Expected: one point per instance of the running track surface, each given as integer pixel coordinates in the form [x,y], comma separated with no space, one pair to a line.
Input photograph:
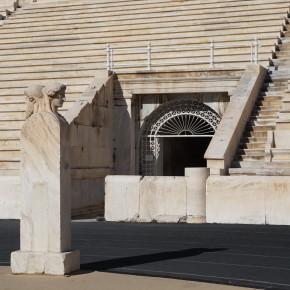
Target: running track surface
[245,255]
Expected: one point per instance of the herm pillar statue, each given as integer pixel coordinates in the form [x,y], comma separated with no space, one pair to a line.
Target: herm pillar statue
[45,226]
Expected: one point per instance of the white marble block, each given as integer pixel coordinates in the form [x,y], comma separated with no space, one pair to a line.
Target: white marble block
[196,193]
[163,199]
[122,198]
[235,199]
[45,231]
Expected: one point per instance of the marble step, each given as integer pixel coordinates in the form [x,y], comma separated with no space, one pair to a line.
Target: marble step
[11,142]
[275,88]
[253,139]
[259,171]
[9,172]
[45,7]
[153,36]
[269,97]
[9,133]
[148,22]
[272,93]
[16,92]
[261,109]
[250,152]
[256,134]
[49,27]
[10,163]
[131,30]
[257,123]
[77,43]
[268,102]
[255,157]
[265,114]
[147,12]
[78,60]
[252,145]
[12,124]
[248,164]
[8,153]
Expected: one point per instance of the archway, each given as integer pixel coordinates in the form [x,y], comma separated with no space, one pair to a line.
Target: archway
[175,136]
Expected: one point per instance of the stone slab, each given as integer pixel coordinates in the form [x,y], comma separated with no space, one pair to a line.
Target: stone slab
[163,199]
[235,200]
[122,197]
[277,200]
[44,262]
[248,200]
[196,194]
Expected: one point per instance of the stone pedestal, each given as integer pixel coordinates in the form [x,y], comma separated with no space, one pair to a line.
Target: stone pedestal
[196,194]
[45,228]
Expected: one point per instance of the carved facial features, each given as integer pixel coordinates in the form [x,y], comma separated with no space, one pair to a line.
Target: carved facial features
[58,99]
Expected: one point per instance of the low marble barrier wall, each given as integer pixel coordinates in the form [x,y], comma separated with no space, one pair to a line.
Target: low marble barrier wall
[248,200]
[157,198]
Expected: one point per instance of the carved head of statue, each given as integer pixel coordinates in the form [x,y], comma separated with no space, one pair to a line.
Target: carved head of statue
[55,96]
[34,99]
[46,98]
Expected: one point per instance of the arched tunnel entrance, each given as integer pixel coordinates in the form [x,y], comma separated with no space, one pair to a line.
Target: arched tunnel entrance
[175,136]
[179,153]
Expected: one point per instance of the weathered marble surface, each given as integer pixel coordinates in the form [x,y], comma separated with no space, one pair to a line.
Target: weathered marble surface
[45,195]
[248,200]
[91,133]
[122,198]
[45,262]
[124,136]
[157,198]
[196,194]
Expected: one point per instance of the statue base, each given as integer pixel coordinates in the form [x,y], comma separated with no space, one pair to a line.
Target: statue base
[45,262]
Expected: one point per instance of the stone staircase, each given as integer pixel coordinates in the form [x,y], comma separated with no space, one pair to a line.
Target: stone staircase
[66,40]
[250,158]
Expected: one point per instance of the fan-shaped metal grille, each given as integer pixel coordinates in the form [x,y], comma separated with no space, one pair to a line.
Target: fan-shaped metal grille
[186,125]
[175,118]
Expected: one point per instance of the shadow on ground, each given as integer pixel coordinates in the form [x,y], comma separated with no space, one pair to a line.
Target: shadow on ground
[149,258]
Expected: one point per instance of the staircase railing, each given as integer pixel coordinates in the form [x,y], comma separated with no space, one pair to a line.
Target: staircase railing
[148,57]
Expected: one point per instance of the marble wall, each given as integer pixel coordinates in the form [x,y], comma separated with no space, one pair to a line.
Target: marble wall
[91,134]
[157,198]
[248,200]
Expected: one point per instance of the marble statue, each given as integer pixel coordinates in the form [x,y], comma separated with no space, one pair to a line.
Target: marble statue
[34,100]
[46,98]
[45,186]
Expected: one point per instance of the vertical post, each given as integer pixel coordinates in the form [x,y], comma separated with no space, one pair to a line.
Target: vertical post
[256,44]
[111,59]
[211,54]
[252,55]
[149,49]
[45,228]
[108,57]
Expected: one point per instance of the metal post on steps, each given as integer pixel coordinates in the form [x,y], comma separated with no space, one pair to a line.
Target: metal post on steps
[211,65]
[256,45]
[108,57]
[252,55]
[111,58]
[149,50]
